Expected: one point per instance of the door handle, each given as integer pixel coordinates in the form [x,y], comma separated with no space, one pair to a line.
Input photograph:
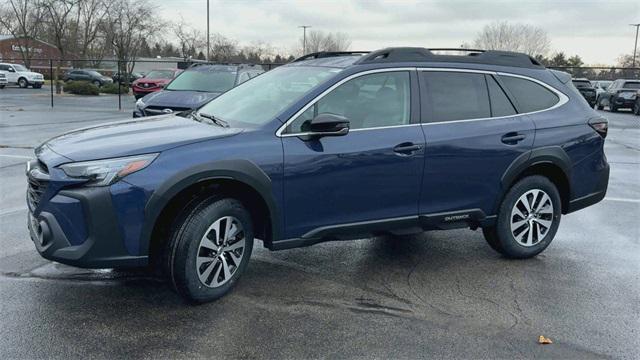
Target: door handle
[407,148]
[512,138]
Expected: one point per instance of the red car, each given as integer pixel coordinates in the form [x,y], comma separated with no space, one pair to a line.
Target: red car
[155,80]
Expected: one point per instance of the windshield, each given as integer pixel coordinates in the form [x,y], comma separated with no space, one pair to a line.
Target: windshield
[20,68]
[160,74]
[259,100]
[632,85]
[213,80]
[581,84]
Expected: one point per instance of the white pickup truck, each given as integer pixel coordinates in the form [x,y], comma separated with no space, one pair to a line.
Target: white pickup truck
[20,75]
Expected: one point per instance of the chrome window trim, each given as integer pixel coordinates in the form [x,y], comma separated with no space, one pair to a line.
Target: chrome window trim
[563,99]
[279,132]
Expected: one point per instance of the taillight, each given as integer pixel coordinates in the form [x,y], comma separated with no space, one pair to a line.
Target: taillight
[600,125]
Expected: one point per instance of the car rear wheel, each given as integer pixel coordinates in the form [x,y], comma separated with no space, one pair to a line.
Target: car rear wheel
[23,83]
[209,249]
[528,219]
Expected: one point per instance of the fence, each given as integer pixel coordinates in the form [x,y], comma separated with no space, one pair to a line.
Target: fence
[49,67]
[53,69]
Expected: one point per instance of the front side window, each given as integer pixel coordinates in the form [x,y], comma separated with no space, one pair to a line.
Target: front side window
[368,101]
[529,96]
[456,96]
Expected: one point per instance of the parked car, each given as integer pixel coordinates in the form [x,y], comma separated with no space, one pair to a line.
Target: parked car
[121,79]
[194,87]
[154,81]
[20,75]
[332,146]
[3,80]
[621,94]
[91,76]
[587,90]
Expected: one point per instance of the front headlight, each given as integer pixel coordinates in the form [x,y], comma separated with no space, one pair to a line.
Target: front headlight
[108,171]
[140,104]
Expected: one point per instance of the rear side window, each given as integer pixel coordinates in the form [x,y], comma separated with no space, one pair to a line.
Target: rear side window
[456,96]
[530,96]
[500,104]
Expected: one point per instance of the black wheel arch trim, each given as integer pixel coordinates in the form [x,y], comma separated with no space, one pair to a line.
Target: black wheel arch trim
[554,155]
[243,171]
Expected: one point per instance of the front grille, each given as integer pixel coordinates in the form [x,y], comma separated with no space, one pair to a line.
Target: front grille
[160,110]
[38,181]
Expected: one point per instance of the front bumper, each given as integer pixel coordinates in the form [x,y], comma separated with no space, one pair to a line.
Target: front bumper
[621,102]
[102,246]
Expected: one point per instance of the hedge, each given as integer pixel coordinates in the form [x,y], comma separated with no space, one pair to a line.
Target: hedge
[81,88]
[113,89]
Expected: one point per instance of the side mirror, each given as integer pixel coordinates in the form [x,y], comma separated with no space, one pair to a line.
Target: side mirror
[327,124]
[12,69]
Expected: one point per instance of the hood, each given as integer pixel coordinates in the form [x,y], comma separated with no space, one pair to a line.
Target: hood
[30,73]
[132,137]
[179,99]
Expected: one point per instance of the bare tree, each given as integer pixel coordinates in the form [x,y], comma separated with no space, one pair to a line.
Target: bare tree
[223,48]
[91,15]
[60,18]
[321,41]
[127,25]
[190,40]
[501,35]
[21,18]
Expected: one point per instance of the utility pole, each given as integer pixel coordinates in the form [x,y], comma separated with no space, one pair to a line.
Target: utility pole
[208,43]
[635,46]
[304,38]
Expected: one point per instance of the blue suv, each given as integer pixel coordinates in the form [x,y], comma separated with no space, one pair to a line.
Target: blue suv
[332,146]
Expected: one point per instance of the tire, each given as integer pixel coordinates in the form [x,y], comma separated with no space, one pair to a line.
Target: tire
[636,108]
[96,83]
[599,105]
[612,107]
[2,86]
[23,83]
[518,244]
[37,86]
[191,239]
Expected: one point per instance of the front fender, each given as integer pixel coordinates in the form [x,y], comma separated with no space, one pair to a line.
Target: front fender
[243,171]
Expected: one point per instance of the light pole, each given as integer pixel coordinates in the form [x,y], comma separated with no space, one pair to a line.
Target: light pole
[304,38]
[635,46]
[208,43]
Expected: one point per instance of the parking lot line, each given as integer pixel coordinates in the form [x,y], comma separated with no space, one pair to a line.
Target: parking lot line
[622,200]
[17,156]
[12,210]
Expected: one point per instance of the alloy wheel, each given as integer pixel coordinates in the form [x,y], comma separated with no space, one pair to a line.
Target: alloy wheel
[220,251]
[531,217]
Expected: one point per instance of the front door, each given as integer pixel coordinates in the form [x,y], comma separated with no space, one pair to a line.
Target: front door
[370,175]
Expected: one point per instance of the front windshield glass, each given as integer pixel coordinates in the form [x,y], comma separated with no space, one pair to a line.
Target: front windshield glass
[260,99]
[581,83]
[631,85]
[20,68]
[160,74]
[207,80]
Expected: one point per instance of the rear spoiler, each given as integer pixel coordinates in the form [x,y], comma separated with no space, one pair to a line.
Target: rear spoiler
[563,77]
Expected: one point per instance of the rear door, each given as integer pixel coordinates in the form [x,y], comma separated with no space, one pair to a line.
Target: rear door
[473,134]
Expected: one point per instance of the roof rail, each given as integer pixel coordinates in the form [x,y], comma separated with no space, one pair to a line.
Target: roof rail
[324,54]
[415,54]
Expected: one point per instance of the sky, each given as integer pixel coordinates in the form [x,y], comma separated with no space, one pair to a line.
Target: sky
[598,31]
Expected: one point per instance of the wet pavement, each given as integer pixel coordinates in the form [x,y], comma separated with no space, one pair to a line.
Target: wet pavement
[440,294]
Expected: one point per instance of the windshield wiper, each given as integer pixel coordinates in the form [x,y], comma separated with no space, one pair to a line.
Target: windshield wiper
[213,119]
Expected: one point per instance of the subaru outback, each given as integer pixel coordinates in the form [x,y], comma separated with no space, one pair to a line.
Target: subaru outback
[332,146]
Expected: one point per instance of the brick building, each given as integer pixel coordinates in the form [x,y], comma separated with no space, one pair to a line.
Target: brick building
[10,51]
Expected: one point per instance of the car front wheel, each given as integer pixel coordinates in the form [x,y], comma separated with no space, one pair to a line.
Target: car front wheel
[528,219]
[96,83]
[23,83]
[209,249]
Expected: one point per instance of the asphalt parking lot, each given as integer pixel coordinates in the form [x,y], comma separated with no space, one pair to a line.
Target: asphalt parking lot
[440,294]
